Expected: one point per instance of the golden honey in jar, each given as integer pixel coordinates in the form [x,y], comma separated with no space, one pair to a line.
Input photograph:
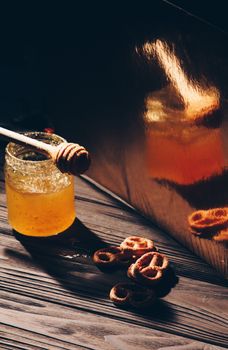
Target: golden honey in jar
[40,199]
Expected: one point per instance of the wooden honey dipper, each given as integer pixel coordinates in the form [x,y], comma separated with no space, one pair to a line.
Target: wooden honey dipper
[68,157]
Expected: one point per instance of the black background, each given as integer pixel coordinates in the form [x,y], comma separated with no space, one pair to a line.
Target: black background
[74,63]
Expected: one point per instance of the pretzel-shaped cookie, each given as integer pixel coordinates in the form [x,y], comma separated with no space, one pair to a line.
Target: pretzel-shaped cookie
[208,221]
[111,257]
[149,268]
[163,285]
[129,294]
[137,246]
[152,259]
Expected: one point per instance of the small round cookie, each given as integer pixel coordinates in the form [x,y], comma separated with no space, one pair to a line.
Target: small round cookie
[111,257]
[120,294]
[129,294]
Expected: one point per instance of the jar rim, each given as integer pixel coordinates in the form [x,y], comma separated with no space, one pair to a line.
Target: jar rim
[9,153]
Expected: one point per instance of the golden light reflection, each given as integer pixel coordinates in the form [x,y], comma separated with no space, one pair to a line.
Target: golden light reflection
[198,100]
[178,148]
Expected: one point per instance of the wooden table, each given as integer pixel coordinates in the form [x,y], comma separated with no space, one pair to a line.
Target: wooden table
[53,297]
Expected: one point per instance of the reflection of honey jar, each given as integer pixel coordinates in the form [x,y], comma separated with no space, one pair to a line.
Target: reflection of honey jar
[177,149]
[40,199]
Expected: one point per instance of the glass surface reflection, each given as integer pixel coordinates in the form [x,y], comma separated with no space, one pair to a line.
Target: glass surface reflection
[171,158]
[178,149]
[156,124]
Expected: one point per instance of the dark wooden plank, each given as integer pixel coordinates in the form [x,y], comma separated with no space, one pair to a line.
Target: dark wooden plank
[112,224]
[50,326]
[112,221]
[194,309]
[60,272]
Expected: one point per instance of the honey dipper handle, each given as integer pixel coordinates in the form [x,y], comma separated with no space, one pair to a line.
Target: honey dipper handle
[69,158]
[15,136]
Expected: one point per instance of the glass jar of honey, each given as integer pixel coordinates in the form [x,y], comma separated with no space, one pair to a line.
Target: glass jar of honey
[40,199]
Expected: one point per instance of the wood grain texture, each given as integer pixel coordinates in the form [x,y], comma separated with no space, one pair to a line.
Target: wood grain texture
[44,325]
[53,297]
[121,167]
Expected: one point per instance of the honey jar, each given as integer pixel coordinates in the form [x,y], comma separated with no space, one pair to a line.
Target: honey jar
[40,199]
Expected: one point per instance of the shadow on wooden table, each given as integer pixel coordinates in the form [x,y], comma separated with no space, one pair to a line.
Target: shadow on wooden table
[77,238]
[67,259]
